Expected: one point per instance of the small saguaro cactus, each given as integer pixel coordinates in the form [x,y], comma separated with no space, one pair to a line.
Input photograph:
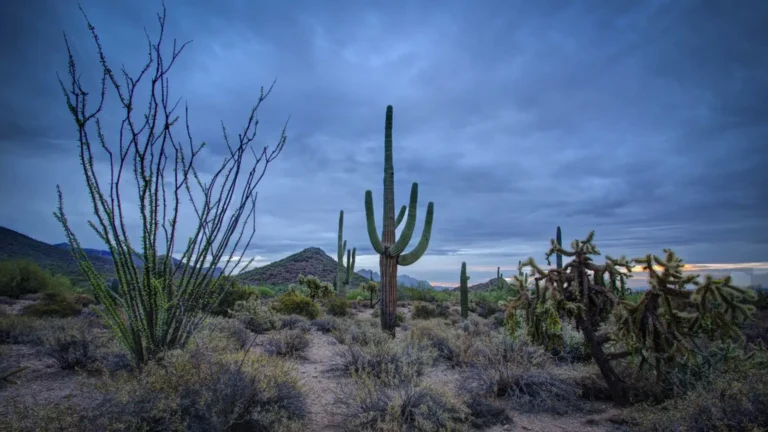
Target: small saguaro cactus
[464,291]
[343,275]
[391,250]
[559,256]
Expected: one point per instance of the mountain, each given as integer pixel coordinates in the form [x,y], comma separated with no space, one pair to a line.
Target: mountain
[401,279]
[14,245]
[485,286]
[310,261]
[137,260]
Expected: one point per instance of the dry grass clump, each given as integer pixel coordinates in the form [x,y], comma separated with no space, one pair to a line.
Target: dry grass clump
[326,325]
[16,329]
[71,342]
[404,408]
[389,362]
[294,322]
[286,343]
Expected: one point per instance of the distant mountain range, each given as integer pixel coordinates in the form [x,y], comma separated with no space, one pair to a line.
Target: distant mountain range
[311,261]
[401,279]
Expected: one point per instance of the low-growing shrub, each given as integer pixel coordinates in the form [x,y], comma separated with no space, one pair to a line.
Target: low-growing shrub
[294,322]
[338,307]
[265,292]
[389,362]
[16,329]
[190,391]
[256,316]
[423,310]
[52,304]
[485,413]
[356,294]
[224,334]
[290,343]
[326,325]
[69,341]
[404,408]
[362,335]
[292,302]
[400,318]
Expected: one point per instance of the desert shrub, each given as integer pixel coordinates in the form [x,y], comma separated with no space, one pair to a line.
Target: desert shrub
[256,316]
[362,335]
[338,307]
[294,322]
[448,343]
[727,401]
[376,313]
[289,343]
[292,302]
[574,349]
[761,297]
[19,277]
[405,408]
[400,318]
[190,391]
[7,301]
[235,292]
[485,413]
[486,303]
[265,292]
[18,329]
[423,310]
[356,293]
[69,341]
[389,362]
[52,304]
[224,333]
[326,325]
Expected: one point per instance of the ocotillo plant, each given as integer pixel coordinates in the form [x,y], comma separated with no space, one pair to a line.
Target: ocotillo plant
[343,277]
[464,290]
[559,256]
[391,250]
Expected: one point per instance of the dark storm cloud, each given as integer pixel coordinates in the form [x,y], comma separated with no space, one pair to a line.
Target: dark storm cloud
[645,122]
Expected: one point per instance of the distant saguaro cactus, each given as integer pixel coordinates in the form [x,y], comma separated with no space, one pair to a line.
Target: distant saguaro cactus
[499,279]
[343,276]
[559,256]
[389,248]
[464,291]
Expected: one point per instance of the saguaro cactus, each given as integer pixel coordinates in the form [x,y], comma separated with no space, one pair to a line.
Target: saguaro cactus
[559,257]
[343,276]
[391,249]
[464,291]
[499,278]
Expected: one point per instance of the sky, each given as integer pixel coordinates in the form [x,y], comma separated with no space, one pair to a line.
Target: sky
[645,121]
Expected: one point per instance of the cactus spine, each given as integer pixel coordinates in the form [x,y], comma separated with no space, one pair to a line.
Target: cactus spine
[559,257]
[464,291]
[343,276]
[391,249]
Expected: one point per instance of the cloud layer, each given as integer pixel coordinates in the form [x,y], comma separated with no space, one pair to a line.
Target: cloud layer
[645,122]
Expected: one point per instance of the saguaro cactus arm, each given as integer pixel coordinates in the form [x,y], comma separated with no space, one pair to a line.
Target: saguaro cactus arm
[400,216]
[370,218]
[411,257]
[410,223]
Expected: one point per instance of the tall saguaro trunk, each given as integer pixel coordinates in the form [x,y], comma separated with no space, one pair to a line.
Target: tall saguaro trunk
[389,248]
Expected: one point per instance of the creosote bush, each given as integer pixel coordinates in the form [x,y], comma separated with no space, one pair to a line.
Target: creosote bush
[294,322]
[338,307]
[18,329]
[292,302]
[53,304]
[326,325]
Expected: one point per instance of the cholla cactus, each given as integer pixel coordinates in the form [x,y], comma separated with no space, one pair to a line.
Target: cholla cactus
[660,328]
[317,288]
[391,250]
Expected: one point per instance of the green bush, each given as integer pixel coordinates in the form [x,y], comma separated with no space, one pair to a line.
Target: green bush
[292,302]
[256,316]
[427,311]
[52,304]
[356,294]
[338,307]
[18,278]
[265,292]
[235,293]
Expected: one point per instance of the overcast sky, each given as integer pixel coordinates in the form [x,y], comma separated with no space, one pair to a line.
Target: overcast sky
[647,123]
